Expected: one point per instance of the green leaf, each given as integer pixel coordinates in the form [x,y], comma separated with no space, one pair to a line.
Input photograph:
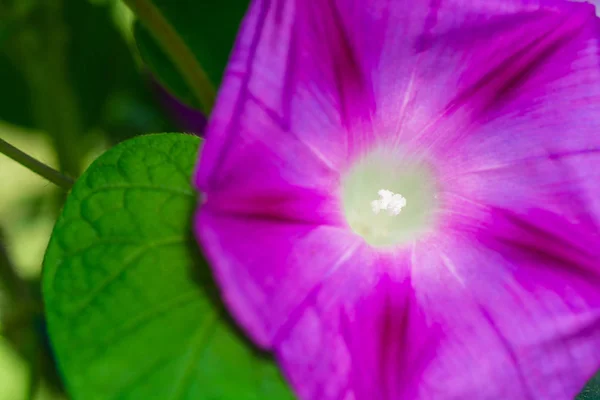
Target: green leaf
[591,390]
[132,310]
[195,38]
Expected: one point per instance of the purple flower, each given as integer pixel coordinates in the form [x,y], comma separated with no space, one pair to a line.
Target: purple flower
[402,198]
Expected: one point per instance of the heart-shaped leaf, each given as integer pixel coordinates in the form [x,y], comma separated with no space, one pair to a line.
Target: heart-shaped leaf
[132,310]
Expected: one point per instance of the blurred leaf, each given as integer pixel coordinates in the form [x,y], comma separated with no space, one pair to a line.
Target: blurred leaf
[104,73]
[207,28]
[16,108]
[24,327]
[100,61]
[162,67]
[132,310]
[591,390]
[130,113]
[101,72]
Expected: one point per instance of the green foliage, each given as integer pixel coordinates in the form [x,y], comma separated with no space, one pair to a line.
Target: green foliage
[85,44]
[132,310]
[15,108]
[207,28]
[104,74]
[100,64]
[162,67]
[591,390]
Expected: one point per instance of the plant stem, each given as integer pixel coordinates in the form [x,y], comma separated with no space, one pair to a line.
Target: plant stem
[175,47]
[36,166]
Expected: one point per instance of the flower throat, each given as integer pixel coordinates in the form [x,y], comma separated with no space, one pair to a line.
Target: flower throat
[407,198]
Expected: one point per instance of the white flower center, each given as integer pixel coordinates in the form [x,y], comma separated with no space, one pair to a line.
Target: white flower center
[407,198]
[390,201]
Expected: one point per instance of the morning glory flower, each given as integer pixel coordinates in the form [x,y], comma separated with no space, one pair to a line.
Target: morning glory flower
[401,199]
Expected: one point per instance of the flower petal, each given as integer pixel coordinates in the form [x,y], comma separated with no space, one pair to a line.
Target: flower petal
[311,85]
[290,90]
[371,346]
[540,147]
[510,309]
[269,268]
[476,83]
[517,297]
[438,69]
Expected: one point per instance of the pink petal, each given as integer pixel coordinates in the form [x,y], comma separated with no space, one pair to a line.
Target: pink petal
[448,68]
[268,268]
[290,91]
[540,146]
[504,97]
[507,310]
[372,346]
[517,299]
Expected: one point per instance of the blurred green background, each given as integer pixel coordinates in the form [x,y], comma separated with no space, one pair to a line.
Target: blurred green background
[72,85]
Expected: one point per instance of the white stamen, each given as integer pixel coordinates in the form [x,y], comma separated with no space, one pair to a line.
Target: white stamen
[390,201]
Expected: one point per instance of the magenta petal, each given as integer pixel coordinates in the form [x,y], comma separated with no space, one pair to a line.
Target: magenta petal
[502,301]
[508,312]
[519,305]
[265,288]
[289,93]
[539,146]
[371,346]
